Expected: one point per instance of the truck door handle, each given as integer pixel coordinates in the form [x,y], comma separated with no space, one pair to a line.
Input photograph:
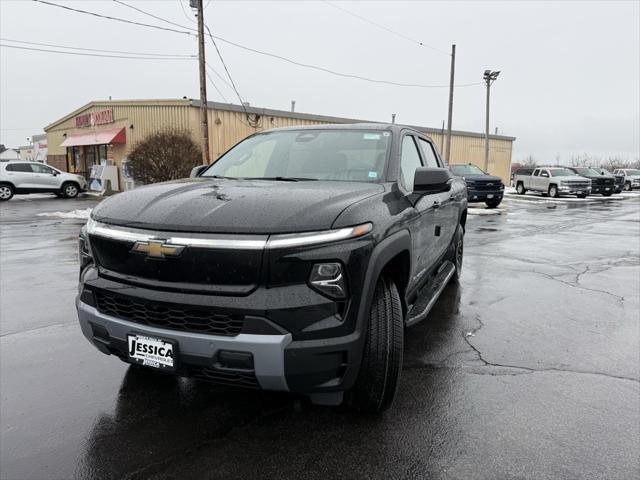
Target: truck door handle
[436,204]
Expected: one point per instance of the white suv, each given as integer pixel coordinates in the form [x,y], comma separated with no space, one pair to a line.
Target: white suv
[32,177]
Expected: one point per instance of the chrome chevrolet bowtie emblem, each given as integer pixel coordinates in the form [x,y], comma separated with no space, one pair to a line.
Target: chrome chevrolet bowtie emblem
[157,249]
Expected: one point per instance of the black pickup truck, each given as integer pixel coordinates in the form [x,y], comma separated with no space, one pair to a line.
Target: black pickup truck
[481,187]
[603,184]
[292,263]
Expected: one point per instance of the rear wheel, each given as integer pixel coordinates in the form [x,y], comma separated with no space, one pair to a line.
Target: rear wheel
[377,381]
[553,191]
[6,192]
[627,186]
[70,190]
[520,188]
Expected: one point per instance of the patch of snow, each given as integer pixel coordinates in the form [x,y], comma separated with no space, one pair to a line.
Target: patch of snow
[485,211]
[81,214]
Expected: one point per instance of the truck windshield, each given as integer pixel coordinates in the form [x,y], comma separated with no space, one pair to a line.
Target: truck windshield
[589,172]
[463,170]
[561,172]
[632,172]
[340,155]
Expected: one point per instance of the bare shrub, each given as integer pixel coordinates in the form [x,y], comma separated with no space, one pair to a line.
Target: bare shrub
[166,155]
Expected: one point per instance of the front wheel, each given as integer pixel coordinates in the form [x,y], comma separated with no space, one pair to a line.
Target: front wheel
[627,187]
[582,195]
[377,381]
[493,203]
[6,192]
[553,191]
[607,194]
[456,251]
[70,190]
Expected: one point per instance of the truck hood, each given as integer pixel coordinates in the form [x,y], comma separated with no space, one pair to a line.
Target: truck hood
[483,178]
[234,206]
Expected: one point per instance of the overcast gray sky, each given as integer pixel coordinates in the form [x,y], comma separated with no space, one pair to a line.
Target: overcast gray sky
[570,80]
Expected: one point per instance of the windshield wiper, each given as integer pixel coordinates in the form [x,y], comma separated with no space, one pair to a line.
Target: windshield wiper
[283,179]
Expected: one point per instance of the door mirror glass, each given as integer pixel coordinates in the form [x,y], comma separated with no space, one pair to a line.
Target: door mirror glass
[432,180]
[196,171]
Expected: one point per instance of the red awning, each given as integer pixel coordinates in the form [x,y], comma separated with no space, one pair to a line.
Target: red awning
[95,137]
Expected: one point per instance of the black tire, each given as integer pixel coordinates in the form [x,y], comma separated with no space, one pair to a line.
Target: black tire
[6,192]
[553,191]
[493,203]
[607,194]
[70,189]
[520,190]
[377,381]
[627,186]
[582,195]
[455,252]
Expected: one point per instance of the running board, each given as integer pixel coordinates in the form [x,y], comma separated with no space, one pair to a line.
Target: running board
[430,294]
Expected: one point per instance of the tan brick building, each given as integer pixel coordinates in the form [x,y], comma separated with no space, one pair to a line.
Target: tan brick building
[107,130]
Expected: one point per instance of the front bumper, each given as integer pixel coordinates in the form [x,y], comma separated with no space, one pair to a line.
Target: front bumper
[483,195]
[571,190]
[324,365]
[109,335]
[603,189]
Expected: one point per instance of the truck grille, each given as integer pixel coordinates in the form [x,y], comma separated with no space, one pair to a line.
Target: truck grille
[167,315]
[578,184]
[484,186]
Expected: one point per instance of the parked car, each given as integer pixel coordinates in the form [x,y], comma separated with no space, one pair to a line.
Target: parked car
[554,181]
[631,178]
[292,263]
[602,184]
[19,177]
[520,171]
[481,187]
[619,178]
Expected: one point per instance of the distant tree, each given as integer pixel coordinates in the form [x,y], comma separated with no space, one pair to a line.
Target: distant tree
[529,161]
[166,155]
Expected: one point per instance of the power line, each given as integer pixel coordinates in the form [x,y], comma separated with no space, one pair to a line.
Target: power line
[394,32]
[93,54]
[160,55]
[152,15]
[273,55]
[233,85]
[112,18]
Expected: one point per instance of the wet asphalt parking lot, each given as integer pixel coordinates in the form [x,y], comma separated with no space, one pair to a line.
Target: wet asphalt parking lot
[529,368]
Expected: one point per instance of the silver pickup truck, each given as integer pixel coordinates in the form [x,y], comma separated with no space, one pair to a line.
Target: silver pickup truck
[553,181]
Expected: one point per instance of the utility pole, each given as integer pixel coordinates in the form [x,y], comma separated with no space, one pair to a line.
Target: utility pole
[489,77]
[451,79]
[206,159]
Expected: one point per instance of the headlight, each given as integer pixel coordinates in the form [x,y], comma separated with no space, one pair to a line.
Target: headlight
[328,279]
[84,249]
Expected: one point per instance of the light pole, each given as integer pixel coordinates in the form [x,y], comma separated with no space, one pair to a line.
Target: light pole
[489,78]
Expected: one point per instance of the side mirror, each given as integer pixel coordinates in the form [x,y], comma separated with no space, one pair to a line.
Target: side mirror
[55,174]
[196,171]
[432,180]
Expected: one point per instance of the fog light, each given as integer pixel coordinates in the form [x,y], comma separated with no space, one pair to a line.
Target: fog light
[328,279]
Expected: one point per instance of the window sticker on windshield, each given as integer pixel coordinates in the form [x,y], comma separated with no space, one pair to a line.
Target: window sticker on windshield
[373,174]
[371,136]
[386,134]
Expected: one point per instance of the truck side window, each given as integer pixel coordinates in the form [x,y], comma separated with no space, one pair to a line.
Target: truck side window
[536,173]
[409,161]
[430,159]
[544,173]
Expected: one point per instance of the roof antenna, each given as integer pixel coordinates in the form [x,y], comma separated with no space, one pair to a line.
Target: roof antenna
[393,118]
